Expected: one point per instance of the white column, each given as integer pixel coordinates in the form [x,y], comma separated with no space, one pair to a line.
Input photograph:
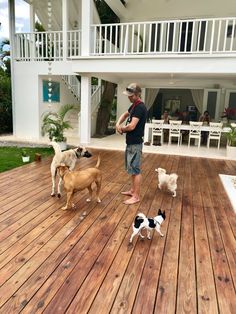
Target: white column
[32,18]
[86,10]
[85,111]
[32,30]
[11,15]
[64,28]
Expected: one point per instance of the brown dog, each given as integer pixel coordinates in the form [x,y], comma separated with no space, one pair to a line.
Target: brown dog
[80,180]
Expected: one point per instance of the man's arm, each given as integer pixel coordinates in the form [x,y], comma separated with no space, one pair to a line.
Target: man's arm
[121,119]
[131,126]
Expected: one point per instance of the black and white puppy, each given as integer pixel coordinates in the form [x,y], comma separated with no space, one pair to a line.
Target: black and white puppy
[143,222]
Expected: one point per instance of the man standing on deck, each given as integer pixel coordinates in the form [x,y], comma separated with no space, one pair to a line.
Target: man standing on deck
[136,117]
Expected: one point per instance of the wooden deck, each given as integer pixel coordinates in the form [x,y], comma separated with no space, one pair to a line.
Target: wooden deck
[79,261]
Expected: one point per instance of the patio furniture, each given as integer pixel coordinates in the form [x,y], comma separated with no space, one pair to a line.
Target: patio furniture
[214,133]
[157,130]
[175,131]
[195,132]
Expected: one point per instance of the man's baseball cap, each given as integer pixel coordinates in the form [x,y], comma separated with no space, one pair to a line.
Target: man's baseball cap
[132,89]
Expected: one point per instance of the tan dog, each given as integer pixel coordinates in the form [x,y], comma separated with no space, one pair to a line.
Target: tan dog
[68,158]
[80,180]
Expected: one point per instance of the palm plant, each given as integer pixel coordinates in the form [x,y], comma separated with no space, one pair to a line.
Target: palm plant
[54,123]
[231,136]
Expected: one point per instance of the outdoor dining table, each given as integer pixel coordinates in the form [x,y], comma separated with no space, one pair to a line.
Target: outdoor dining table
[149,126]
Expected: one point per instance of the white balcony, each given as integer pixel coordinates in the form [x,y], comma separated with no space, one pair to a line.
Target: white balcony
[215,36]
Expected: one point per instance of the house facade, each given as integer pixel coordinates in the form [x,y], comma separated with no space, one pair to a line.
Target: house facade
[183,54]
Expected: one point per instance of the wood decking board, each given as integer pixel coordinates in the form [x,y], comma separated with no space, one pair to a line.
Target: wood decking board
[79,261]
[186,297]
[206,293]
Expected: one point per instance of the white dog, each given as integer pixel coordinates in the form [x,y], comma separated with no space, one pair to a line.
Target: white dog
[142,222]
[167,180]
[68,158]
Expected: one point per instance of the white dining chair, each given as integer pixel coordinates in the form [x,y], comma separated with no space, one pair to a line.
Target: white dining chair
[157,130]
[175,131]
[195,132]
[214,133]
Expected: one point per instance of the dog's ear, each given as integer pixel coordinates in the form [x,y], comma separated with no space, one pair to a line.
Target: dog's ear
[159,211]
[79,150]
[164,215]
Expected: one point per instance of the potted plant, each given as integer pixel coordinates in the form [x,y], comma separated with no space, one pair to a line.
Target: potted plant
[54,124]
[231,142]
[25,156]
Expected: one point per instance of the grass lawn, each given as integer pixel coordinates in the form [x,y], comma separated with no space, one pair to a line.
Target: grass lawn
[10,157]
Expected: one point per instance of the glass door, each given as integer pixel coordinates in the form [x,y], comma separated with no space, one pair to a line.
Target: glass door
[211,103]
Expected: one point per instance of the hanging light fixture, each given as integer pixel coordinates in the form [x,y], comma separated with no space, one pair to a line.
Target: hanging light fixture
[49,10]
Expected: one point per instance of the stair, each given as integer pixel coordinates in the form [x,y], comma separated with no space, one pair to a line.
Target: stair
[73,116]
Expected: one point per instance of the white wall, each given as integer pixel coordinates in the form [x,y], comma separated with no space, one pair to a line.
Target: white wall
[26,104]
[29,104]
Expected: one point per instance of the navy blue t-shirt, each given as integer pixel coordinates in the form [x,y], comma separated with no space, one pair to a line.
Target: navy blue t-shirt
[139,111]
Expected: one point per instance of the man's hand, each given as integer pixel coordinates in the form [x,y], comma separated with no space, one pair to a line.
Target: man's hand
[119,129]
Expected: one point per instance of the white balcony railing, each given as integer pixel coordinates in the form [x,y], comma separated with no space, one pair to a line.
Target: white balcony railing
[198,36]
[174,37]
[39,46]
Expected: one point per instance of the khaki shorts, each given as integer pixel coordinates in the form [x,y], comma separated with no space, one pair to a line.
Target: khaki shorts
[133,155]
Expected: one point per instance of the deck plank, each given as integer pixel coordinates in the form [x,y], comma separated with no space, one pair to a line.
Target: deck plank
[206,292]
[79,261]
[186,298]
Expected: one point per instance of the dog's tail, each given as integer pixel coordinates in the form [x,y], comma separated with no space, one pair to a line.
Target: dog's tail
[56,148]
[140,216]
[173,178]
[98,162]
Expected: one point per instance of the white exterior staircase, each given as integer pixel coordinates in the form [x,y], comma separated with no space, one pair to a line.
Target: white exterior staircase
[74,115]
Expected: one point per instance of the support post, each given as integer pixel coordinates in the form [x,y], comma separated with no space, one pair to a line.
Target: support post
[87,8]
[64,28]
[11,15]
[85,110]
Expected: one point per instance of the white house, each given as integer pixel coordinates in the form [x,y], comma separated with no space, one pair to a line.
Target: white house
[183,53]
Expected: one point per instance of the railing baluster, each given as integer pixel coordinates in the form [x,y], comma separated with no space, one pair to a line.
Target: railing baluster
[144,37]
[199,35]
[155,39]
[121,38]
[100,39]
[218,39]
[232,36]
[149,37]
[105,40]
[174,36]
[167,37]
[186,37]
[138,38]
[161,37]
[225,36]
[111,28]
[21,44]
[212,36]
[193,36]
[180,35]
[132,39]
[205,37]
[116,37]
[126,39]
